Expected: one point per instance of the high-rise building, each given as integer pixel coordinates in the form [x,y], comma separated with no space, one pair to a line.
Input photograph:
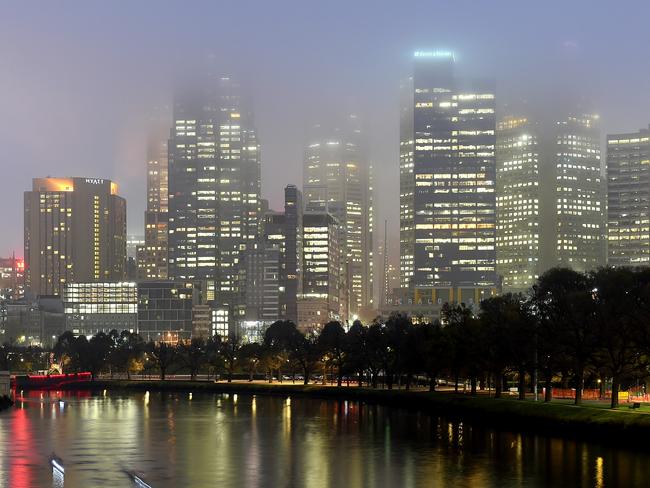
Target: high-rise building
[270,272]
[214,188]
[518,203]
[320,300]
[628,198]
[293,214]
[75,231]
[152,257]
[447,183]
[337,180]
[579,194]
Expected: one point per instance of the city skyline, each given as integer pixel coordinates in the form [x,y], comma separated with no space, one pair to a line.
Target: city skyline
[575,50]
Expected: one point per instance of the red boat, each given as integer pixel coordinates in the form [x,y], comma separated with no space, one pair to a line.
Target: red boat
[50,381]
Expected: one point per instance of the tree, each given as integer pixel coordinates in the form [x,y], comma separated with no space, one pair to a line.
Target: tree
[279,339]
[564,303]
[193,355]
[355,349]
[163,355]
[99,348]
[376,351]
[619,294]
[396,329]
[128,347]
[305,352]
[459,323]
[332,345]
[430,350]
[249,357]
[64,349]
[509,332]
[229,350]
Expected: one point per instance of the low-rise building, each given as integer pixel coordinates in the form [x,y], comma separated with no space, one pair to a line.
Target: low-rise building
[165,309]
[100,307]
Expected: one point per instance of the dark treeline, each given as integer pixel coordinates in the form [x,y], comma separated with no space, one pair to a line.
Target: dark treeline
[572,330]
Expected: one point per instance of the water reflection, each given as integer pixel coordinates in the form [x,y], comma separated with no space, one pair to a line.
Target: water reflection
[258,441]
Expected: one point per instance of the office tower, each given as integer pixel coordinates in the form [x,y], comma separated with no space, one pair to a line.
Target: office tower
[152,259]
[447,183]
[628,198]
[293,215]
[75,231]
[214,187]
[262,273]
[269,275]
[337,180]
[320,300]
[579,221]
[518,203]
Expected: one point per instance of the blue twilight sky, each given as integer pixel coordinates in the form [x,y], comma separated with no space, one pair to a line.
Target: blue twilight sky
[79,81]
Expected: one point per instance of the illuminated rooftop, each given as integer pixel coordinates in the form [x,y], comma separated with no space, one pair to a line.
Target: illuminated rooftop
[437,53]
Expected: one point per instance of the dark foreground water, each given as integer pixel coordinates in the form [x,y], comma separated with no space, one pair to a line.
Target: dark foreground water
[255,441]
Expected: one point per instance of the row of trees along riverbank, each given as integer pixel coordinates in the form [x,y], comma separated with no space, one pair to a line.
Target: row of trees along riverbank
[570,330]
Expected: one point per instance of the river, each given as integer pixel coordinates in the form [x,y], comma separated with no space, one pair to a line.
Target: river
[178,440]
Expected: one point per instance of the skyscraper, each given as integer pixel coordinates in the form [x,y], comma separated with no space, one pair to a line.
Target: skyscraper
[75,231]
[579,193]
[337,180]
[293,213]
[518,203]
[628,197]
[152,258]
[447,183]
[214,187]
[320,300]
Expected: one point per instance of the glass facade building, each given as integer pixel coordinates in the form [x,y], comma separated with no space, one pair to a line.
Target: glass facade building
[447,183]
[164,310]
[100,307]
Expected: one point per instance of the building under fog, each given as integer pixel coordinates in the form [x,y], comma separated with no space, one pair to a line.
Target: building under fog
[152,257]
[518,203]
[579,194]
[337,180]
[447,183]
[550,197]
[214,187]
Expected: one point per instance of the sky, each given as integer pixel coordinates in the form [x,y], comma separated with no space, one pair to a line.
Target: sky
[80,81]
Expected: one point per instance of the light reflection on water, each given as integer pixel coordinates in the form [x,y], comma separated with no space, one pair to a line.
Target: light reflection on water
[258,441]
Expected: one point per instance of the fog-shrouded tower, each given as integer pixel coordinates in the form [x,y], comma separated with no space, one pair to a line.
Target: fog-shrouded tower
[518,203]
[75,231]
[447,183]
[579,193]
[152,258]
[337,179]
[628,197]
[214,186]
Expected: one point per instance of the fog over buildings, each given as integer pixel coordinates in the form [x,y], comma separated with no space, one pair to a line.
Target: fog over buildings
[80,83]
